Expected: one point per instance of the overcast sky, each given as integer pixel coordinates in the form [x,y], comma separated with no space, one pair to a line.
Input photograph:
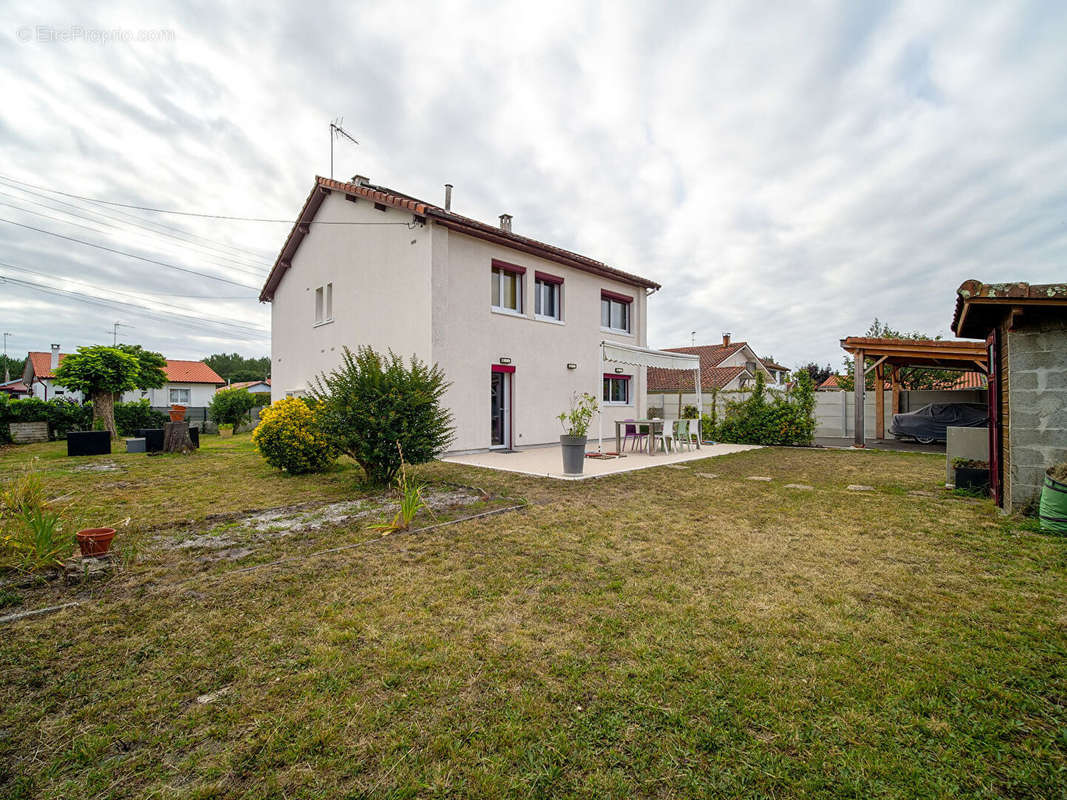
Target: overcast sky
[787,171]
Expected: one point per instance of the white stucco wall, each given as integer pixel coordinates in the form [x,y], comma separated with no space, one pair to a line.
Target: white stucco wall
[200,394]
[468,338]
[47,389]
[381,292]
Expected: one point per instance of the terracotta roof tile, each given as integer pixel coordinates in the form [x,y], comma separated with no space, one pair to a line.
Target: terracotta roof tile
[1021,293]
[176,371]
[966,380]
[448,219]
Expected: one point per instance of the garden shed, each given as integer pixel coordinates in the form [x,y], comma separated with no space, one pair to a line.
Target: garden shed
[1024,328]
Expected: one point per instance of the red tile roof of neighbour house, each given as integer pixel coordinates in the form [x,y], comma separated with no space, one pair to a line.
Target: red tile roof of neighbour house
[448,219]
[191,372]
[176,371]
[246,384]
[975,300]
[14,387]
[712,376]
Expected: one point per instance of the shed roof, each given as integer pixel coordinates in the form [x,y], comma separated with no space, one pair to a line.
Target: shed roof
[981,306]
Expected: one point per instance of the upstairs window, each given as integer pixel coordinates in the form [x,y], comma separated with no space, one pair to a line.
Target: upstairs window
[506,292]
[615,312]
[616,389]
[324,304]
[548,291]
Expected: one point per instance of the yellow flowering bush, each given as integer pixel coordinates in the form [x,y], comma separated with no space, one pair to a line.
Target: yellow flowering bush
[290,438]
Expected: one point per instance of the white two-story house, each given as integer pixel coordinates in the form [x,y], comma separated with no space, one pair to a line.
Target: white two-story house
[516,324]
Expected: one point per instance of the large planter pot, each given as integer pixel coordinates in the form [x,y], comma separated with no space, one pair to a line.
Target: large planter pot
[88,443]
[573,454]
[95,541]
[177,413]
[973,479]
[1053,509]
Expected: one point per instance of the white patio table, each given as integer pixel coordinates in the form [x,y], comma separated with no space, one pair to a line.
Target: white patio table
[653,425]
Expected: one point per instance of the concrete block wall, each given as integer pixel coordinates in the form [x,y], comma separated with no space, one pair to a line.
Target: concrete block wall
[1037,403]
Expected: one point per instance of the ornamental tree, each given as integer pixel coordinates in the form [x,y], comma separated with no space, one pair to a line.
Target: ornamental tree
[231,406]
[101,373]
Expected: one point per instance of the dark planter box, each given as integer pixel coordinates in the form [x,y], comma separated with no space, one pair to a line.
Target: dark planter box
[973,479]
[88,443]
[153,439]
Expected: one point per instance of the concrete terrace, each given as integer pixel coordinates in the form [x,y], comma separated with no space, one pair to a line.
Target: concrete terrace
[548,461]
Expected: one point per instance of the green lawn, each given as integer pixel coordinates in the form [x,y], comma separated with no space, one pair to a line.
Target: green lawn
[657,634]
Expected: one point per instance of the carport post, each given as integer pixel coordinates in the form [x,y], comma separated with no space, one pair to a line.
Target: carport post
[859,379]
[879,386]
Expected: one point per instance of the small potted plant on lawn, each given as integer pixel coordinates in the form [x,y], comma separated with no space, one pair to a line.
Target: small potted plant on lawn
[575,425]
[225,430]
[971,475]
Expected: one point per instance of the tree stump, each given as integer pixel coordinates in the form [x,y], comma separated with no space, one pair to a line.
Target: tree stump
[176,438]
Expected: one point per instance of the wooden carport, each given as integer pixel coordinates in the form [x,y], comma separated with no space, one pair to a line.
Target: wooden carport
[897,353]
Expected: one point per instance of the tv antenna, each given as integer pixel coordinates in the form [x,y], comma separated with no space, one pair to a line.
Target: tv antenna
[336,132]
[115,332]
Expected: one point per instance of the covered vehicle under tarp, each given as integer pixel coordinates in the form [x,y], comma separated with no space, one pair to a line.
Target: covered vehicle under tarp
[929,423]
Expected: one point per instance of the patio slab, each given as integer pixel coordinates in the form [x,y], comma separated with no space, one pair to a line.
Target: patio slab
[548,461]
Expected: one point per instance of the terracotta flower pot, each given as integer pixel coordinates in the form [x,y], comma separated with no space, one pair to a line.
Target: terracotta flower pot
[177,413]
[95,541]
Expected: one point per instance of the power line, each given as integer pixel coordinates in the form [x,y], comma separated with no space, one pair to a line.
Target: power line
[128,255]
[216,249]
[195,214]
[250,333]
[138,294]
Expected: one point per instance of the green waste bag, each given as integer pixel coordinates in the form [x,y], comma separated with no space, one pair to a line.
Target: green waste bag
[1053,509]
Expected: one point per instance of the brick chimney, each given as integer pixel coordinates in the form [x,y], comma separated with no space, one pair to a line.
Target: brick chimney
[55,358]
[726,339]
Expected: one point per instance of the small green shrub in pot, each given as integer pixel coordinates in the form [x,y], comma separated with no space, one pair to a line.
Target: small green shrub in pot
[290,437]
[575,426]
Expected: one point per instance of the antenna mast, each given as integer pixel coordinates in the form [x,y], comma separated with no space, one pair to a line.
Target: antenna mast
[337,131]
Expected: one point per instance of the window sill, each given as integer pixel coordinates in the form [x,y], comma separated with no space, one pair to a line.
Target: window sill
[507,312]
[551,320]
[616,331]
[616,404]
[322,322]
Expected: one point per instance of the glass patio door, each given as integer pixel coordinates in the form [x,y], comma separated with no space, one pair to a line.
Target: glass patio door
[500,409]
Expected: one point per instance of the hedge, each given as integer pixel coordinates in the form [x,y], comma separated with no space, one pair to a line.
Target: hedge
[64,415]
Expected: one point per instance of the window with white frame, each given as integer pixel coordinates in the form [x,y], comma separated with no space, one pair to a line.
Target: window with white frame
[548,292]
[507,288]
[616,390]
[180,396]
[615,313]
[324,304]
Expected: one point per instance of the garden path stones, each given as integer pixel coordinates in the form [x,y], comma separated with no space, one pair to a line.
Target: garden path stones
[758,478]
[859,487]
[675,466]
[801,486]
[922,493]
[708,475]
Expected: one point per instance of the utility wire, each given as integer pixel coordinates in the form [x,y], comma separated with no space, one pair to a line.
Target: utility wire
[217,249]
[128,255]
[137,296]
[251,334]
[195,214]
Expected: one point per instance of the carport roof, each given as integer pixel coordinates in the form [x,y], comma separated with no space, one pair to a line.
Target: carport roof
[942,353]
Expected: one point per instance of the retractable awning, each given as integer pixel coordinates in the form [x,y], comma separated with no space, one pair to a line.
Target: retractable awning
[619,353]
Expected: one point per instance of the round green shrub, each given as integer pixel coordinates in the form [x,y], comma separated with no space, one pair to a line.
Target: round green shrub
[289,436]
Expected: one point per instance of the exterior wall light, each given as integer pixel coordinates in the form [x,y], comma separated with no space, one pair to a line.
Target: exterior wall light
[505,360]
[572,366]
[618,370]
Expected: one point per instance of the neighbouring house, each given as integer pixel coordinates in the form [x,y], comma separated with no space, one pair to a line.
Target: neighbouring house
[15,388]
[515,324]
[1024,327]
[727,367]
[255,387]
[189,383]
